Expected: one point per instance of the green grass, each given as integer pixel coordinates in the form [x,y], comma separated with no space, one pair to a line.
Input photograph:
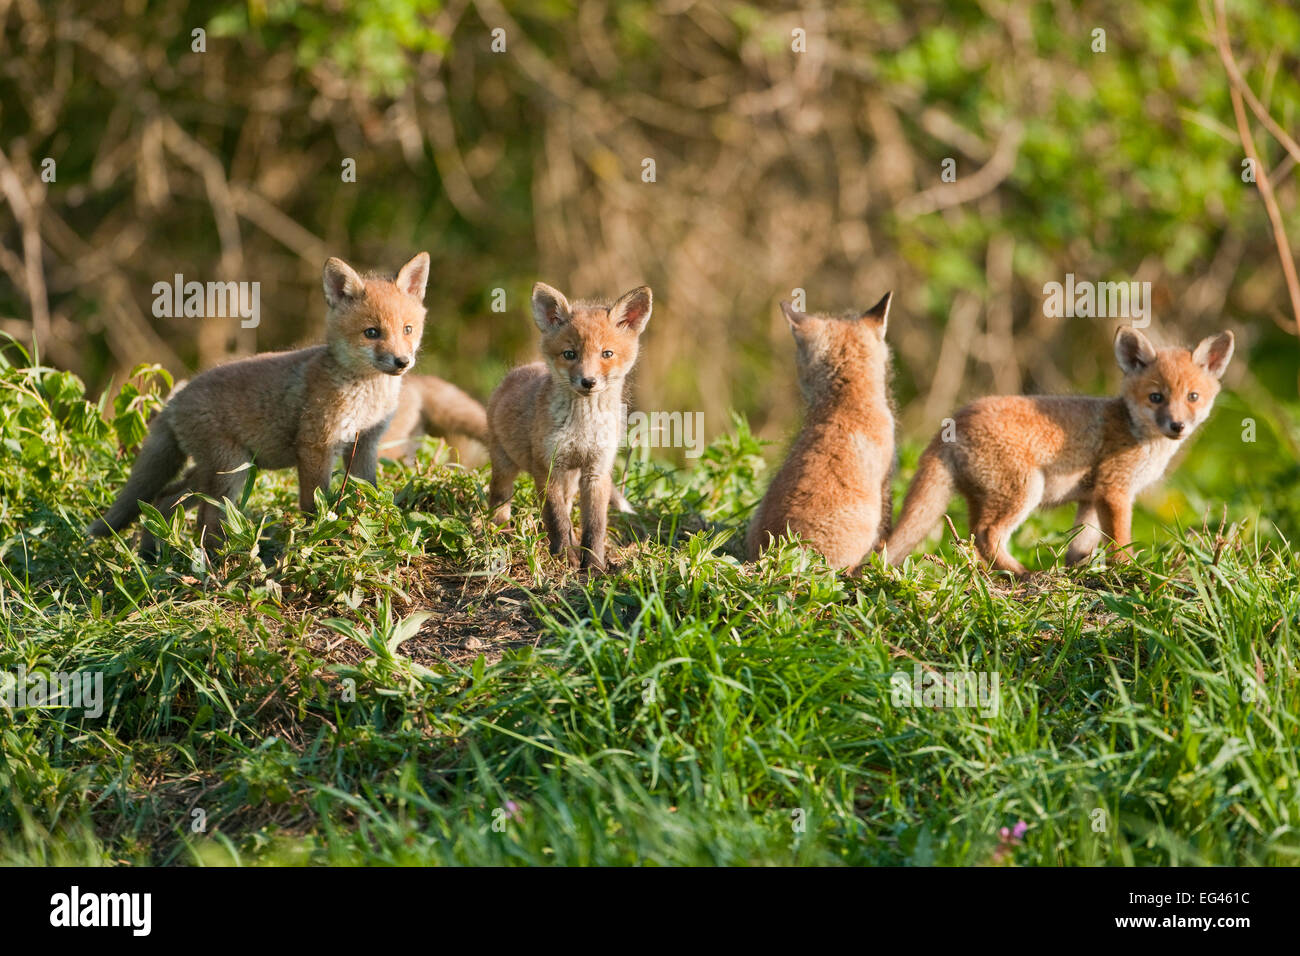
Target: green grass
[391,683]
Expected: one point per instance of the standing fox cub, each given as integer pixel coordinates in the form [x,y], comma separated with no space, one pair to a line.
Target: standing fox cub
[283,409]
[1012,454]
[833,489]
[560,419]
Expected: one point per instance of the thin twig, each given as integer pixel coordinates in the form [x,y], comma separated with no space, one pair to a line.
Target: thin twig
[347,469]
[1261,179]
[1239,83]
[980,183]
[1261,173]
[29,220]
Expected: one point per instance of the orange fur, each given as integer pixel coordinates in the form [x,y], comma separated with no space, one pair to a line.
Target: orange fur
[285,409]
[431,406]
[1009,455]
[560,419]
[833,490]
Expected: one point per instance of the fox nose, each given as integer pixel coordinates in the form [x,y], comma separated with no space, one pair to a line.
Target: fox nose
[401,361]
[589,383]
[1176,427]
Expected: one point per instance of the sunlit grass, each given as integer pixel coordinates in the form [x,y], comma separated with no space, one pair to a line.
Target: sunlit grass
[269,706]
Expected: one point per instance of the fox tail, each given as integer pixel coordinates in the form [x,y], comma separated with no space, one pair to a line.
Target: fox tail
[159,460]
[927,497]
[446,410]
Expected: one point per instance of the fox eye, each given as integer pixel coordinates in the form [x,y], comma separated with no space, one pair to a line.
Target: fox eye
[1156,398]
[408,330]
[1193,396]
[570,354]
[371,333]
[607,354]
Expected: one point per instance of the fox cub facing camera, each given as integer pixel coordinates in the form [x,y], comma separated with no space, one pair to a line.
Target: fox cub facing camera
[833,489]
[560,419]
[286,409]
[1008,455]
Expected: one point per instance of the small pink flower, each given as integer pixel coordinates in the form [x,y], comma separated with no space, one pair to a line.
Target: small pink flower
[1008,839]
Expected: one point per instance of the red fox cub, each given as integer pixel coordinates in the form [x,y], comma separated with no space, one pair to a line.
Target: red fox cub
[1009,455]
[283,409]
[560,419]
[431,406]
[833,489]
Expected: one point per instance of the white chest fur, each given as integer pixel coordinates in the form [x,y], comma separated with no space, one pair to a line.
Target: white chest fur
[363,405]
[1157,456]
[584,431]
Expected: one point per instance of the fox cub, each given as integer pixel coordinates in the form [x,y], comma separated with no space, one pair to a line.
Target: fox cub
[429,405]
[1009,455]
[560,419]
[833,489]
[283,409]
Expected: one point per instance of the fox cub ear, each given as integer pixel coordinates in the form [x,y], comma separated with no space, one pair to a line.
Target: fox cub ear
[1133,350]
[341,282]
[414,276]
[550,308]
[1214,353]
[632,310]
[878,314]
[794,318]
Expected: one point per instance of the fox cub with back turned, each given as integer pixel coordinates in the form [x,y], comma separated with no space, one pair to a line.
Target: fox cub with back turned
[1009,455]
[833,489]
[560,419]
[285,409]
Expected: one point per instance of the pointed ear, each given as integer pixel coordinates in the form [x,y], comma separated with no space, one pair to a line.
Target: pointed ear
[341,282]
[550,307]
[632,310]
[414,276]
[878,314]
[794,318]
[1214,353]
[1133,350]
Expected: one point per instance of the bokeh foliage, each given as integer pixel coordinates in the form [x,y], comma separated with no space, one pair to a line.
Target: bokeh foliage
[774,170]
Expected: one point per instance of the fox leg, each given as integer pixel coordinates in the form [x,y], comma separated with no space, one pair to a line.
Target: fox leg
[315,462]
[595,487]
[1088,533]
[998,521]
[167,502]
[363,459]
[222,475]
[573,482]
[886,512]
[557,509]
[992,539]
[1116,514]
[502,487]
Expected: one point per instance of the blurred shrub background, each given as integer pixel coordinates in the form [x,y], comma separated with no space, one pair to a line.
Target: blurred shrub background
[774,169]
